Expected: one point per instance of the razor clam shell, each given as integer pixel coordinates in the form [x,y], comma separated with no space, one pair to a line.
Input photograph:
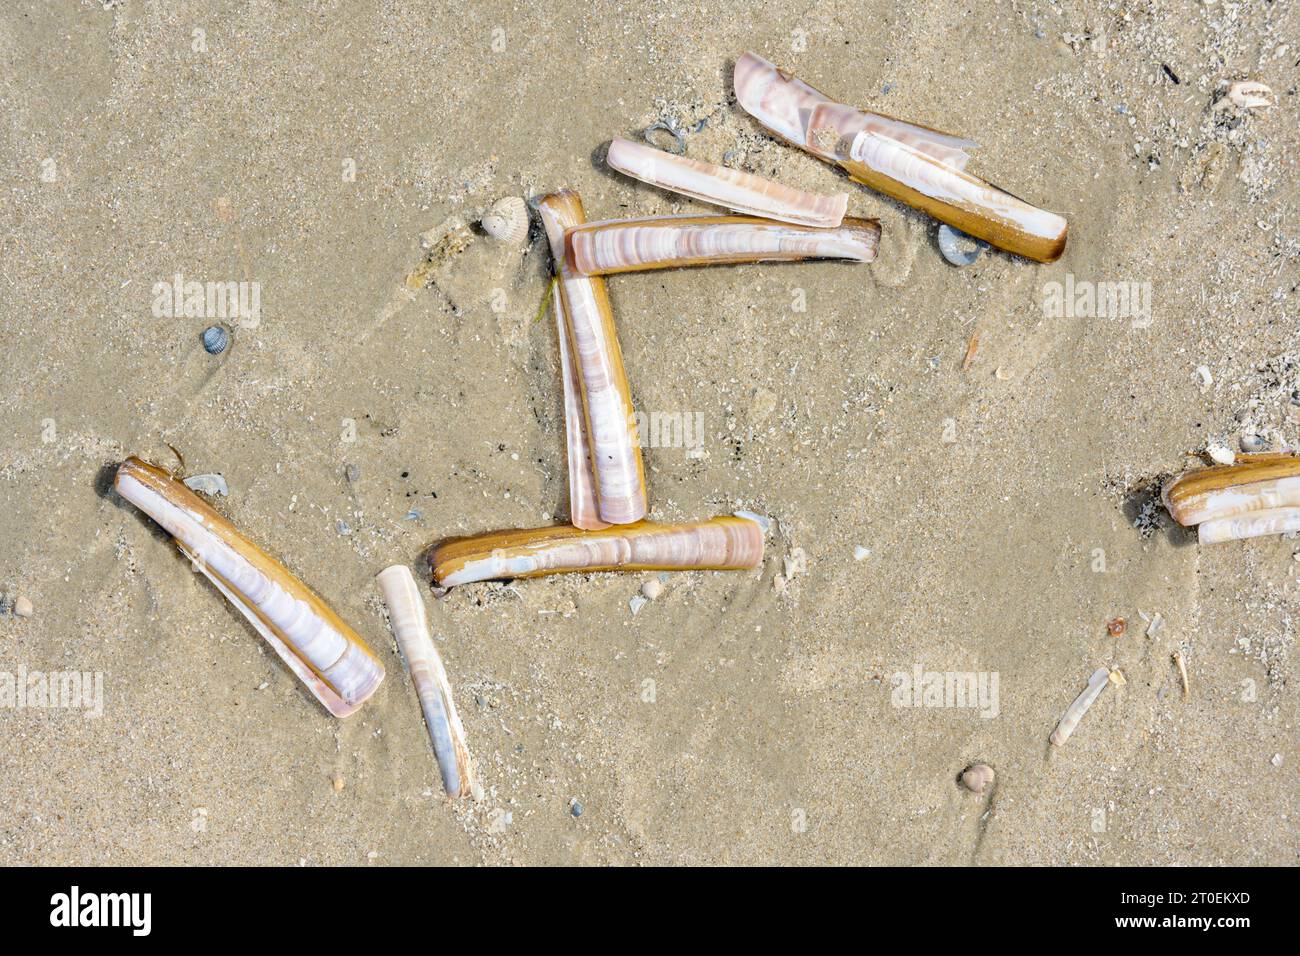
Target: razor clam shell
[1074,713]
[329,657]
[730,188]
[908,162]
[606,398]
[720,544]
[406,614]
[1261,482]
[584,510]
[669,242]
[1253,525]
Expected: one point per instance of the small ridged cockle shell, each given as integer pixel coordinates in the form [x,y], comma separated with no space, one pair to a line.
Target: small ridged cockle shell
[507,220]
[977,778]
[215,339]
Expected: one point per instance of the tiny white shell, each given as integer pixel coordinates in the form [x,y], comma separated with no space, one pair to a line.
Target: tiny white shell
[507,220]
[1249,95]
[1221,454]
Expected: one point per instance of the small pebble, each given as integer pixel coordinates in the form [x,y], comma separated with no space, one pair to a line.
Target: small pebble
[342,527]
[977,778]
[1116,626]
[336,781]
[1277,760]
[1253,444]
[860,553]
[1295,397]
[23,606]
[576,808]
[652,589]
[215,339]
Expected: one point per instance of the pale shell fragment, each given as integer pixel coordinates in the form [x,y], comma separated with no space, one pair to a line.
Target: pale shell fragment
[730,188]
[406,614]
[324,652]
[507,220]
[719,544]
[1074,713]
[1249,95]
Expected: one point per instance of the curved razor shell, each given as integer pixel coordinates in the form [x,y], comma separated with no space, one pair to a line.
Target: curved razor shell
[584,510]
[326,654]
[406,614]
[606,398]
[913,164]
[1263,482]
[719,544]
[669,242]
[730,188]
[1253,525]
[1074,713]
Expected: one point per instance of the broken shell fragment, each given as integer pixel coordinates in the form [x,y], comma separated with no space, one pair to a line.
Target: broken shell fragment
[913,164]
[325,653]
[719,544]
[507,220]
[730,188]
[1257,495]
[606,398]
[1074,713]
[669,242]
[406,614]
[1249,95]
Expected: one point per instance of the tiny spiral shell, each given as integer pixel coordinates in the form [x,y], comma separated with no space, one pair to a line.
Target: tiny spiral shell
[507,220]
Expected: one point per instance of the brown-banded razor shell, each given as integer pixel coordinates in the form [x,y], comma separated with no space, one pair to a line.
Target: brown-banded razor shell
[668,242]
[1256,495]
[326,654]
[606,398]
[584,509]
[1074,713]
[732,189]
[406,614]
[913,164]
[724,543]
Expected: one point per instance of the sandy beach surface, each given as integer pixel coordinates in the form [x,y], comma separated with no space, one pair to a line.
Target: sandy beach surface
[932,514]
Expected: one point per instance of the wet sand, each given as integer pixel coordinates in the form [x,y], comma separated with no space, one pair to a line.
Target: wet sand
[740,717]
